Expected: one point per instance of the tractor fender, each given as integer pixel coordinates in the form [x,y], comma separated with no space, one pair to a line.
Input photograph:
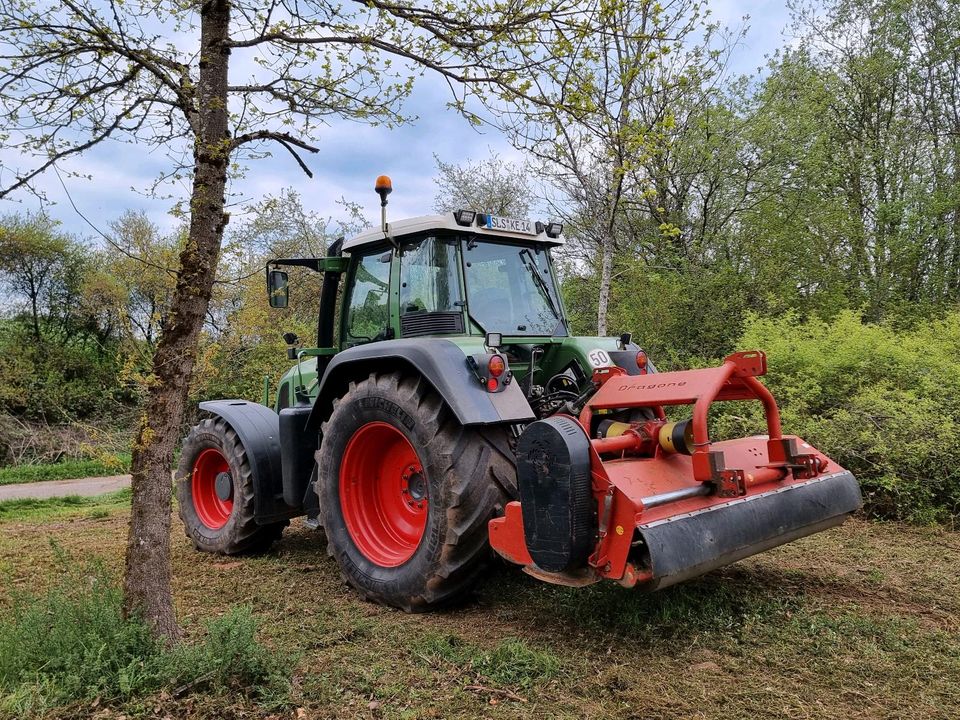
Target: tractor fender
[258,428]
[441,363]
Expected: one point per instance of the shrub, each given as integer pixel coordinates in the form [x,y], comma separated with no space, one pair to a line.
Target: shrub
[883,403]
[72,643]
[229,658]
[26,443]
[78,380]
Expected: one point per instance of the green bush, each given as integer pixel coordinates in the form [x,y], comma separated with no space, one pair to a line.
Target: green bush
[72,643]
[229,659]
[881,402]
[680,318]
[60,380]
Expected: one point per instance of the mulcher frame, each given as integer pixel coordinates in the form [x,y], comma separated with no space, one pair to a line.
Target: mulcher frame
[641,489]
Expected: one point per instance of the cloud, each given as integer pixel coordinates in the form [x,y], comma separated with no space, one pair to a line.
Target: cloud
[351,154]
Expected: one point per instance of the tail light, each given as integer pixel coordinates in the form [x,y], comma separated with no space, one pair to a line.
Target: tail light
[642,362]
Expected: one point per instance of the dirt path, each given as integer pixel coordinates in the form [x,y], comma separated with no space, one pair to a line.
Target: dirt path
[62,488]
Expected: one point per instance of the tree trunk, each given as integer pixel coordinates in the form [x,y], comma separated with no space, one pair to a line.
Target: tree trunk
[146,587]
[35,307]
[606,280]
[35,314]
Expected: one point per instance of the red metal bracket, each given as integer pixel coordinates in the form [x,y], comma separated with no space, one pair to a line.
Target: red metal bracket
[784,453]
[750,363]
[735,379]
[603,374]
[731,483]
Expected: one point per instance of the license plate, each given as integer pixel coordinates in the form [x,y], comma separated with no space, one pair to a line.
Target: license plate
[495,222]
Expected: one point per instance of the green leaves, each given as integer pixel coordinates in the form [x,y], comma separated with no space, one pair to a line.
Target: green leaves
[73,643]
[880,401]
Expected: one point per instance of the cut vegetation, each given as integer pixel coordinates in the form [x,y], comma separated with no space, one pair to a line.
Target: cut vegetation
[859,622]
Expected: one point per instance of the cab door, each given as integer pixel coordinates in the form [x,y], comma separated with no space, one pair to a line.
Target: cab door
[366,308]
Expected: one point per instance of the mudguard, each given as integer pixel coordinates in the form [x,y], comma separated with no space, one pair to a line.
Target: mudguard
[258,428]
[441,362]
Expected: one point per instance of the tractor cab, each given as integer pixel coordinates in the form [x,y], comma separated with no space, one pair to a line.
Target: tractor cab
[436,277]
[464,277]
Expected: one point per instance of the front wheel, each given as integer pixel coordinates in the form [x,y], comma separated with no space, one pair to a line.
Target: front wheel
[406,493]
[215,492]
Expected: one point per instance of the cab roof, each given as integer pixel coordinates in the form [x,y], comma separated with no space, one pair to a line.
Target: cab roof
[425,223]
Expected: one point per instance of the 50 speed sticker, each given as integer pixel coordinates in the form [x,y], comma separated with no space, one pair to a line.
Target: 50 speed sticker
[599,358]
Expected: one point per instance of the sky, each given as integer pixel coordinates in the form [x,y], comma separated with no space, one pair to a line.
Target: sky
[351,155]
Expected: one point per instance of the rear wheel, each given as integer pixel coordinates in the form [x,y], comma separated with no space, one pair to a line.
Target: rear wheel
[406,493]
[215,492]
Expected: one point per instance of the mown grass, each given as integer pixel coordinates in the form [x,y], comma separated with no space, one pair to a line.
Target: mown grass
[512,662]
[859,622]
[66,470]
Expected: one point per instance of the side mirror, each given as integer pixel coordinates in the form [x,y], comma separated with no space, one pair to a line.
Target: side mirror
[277,291]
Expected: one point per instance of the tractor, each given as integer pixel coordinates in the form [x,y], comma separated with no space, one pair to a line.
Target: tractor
[447,411]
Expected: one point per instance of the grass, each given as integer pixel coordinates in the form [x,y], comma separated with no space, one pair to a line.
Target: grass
[66,470]
[96,507]
[860,622]
[72,644]
[512,662]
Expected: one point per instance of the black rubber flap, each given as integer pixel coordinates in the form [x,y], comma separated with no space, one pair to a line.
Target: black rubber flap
[296,453]
[553,475]
[689,545]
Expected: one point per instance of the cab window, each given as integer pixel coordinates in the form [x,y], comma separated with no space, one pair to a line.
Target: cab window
[429,277]
[368,310]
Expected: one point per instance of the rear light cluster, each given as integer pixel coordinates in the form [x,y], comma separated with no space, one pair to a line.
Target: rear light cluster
[491,370]
[495,367]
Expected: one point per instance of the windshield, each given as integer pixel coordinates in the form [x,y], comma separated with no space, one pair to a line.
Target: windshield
[510,289]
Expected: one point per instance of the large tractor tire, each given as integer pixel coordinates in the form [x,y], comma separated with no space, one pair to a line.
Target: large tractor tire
[215,493]
[406,493]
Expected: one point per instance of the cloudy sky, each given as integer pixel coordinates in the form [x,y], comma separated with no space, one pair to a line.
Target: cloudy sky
[351,155]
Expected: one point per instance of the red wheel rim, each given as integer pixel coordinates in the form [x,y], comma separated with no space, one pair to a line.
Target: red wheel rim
[212,511]
[383,494]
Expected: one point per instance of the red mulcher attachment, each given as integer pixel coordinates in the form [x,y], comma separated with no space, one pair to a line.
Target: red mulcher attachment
[649,502]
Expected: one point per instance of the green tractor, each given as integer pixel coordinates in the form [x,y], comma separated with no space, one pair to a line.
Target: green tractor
[446,408]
